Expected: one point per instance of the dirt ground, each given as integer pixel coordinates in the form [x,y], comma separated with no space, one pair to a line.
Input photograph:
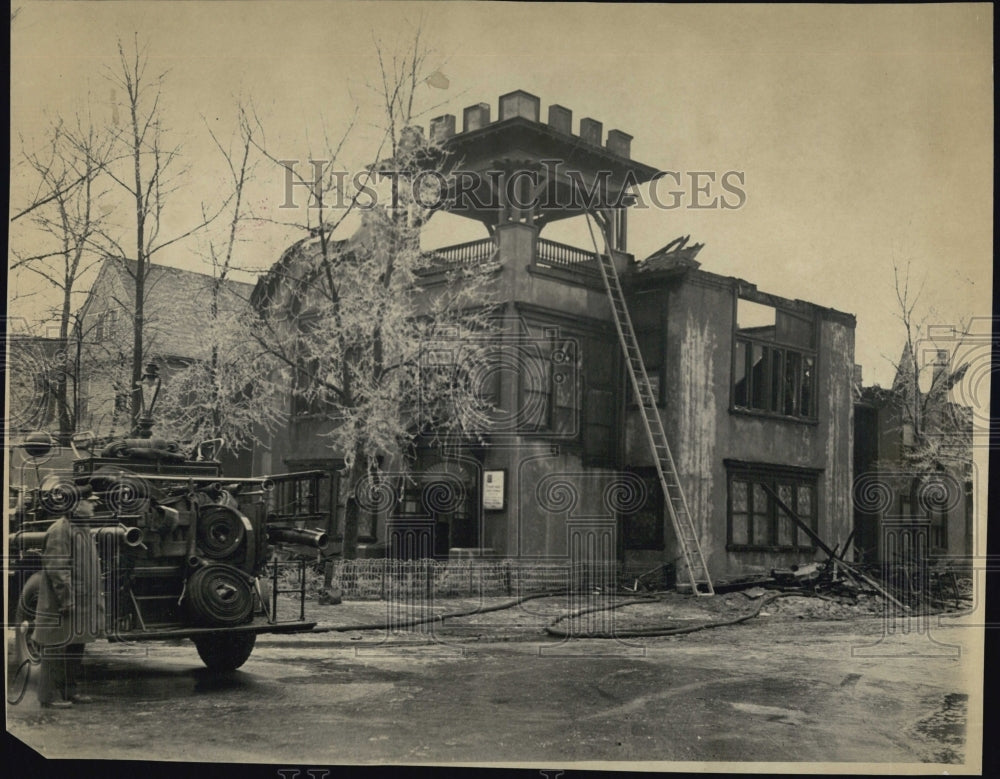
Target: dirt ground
[805,680]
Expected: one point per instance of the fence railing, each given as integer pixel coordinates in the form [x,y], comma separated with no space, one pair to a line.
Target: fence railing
[380,579]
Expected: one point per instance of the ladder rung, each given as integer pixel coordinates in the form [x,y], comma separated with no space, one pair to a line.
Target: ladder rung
[680,517]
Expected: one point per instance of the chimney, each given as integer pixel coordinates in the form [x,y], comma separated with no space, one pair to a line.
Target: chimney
[442,128]
[475,116]
[619,143]
[561,119]
[591,131]
[520,103]
[858,378]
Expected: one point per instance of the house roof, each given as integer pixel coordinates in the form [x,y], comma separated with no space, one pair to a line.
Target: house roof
[176,303]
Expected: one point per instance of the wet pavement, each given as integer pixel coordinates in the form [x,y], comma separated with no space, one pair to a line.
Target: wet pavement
[495,689]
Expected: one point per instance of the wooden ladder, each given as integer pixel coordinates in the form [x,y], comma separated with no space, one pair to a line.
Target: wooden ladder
[680,516]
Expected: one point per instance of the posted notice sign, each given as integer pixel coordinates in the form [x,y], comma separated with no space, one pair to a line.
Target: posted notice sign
[493,489]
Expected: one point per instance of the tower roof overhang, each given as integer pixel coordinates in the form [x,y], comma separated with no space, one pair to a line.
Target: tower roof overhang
[560,173]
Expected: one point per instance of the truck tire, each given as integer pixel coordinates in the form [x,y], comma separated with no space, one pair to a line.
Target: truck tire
[225,651]
[24,621]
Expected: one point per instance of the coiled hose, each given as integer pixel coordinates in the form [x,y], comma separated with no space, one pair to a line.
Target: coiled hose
[26,667]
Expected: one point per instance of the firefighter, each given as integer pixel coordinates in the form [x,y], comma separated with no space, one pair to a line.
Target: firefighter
[70,606]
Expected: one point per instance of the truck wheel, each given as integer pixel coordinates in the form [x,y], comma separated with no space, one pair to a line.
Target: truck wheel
[24,621]
[225,651]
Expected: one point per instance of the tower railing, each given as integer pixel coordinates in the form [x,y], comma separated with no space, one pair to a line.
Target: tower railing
[461,254]
[552,253]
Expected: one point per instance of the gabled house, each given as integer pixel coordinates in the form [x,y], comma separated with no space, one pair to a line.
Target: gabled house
[36,364]
[176,305]
[913,493]
[753,391]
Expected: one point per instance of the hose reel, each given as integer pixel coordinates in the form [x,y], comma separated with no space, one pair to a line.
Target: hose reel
[219,595]
[221,531]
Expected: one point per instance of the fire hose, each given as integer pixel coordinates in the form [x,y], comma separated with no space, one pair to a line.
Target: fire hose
[439,617]
[26,667]
[552,630]
[556,632]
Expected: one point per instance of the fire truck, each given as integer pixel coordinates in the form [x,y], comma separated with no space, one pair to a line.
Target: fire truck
[185,551]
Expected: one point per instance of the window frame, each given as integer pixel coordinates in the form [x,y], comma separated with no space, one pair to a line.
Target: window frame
[775,357]
[776,477]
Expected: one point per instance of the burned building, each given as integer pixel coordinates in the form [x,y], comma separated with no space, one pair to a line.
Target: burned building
[913,488]
[654,413]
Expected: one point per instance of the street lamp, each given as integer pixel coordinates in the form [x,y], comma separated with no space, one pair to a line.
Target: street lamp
[149,390]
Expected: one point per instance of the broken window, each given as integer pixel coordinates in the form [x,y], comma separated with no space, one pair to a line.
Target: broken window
[642,528]
[756,521]
[650,343]
[600,409]
[549,372]
[774,361]
[568,390]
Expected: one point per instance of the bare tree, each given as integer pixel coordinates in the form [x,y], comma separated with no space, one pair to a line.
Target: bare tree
[153,175]
[66,215]
[935,434]
[353,322]
[228,395]
[926,372]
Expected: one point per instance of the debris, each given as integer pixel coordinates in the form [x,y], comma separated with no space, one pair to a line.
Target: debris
[755,592]
[330,596]
[806,572]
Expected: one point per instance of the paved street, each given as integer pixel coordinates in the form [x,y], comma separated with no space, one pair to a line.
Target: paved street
[771,689]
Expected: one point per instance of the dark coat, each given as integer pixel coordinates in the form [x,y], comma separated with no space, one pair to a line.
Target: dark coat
[70,603]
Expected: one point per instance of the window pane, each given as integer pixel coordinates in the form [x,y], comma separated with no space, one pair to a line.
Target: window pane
[758,377]
[739,496]
[535,397]
[740,375]
[805,504]
[775,385]
[793,367]
[761,517]
[740,535]
[761,530]
[808,371]
[786,527]
[786,531]
[804,507]
[564,385]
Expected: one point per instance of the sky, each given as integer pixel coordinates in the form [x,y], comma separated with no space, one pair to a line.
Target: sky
[864,134]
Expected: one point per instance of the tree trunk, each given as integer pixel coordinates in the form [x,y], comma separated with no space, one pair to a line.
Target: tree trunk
[140,292]
[62,402]
[349,549]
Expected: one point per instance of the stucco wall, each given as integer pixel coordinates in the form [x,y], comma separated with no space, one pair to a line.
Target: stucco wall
[703,431]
